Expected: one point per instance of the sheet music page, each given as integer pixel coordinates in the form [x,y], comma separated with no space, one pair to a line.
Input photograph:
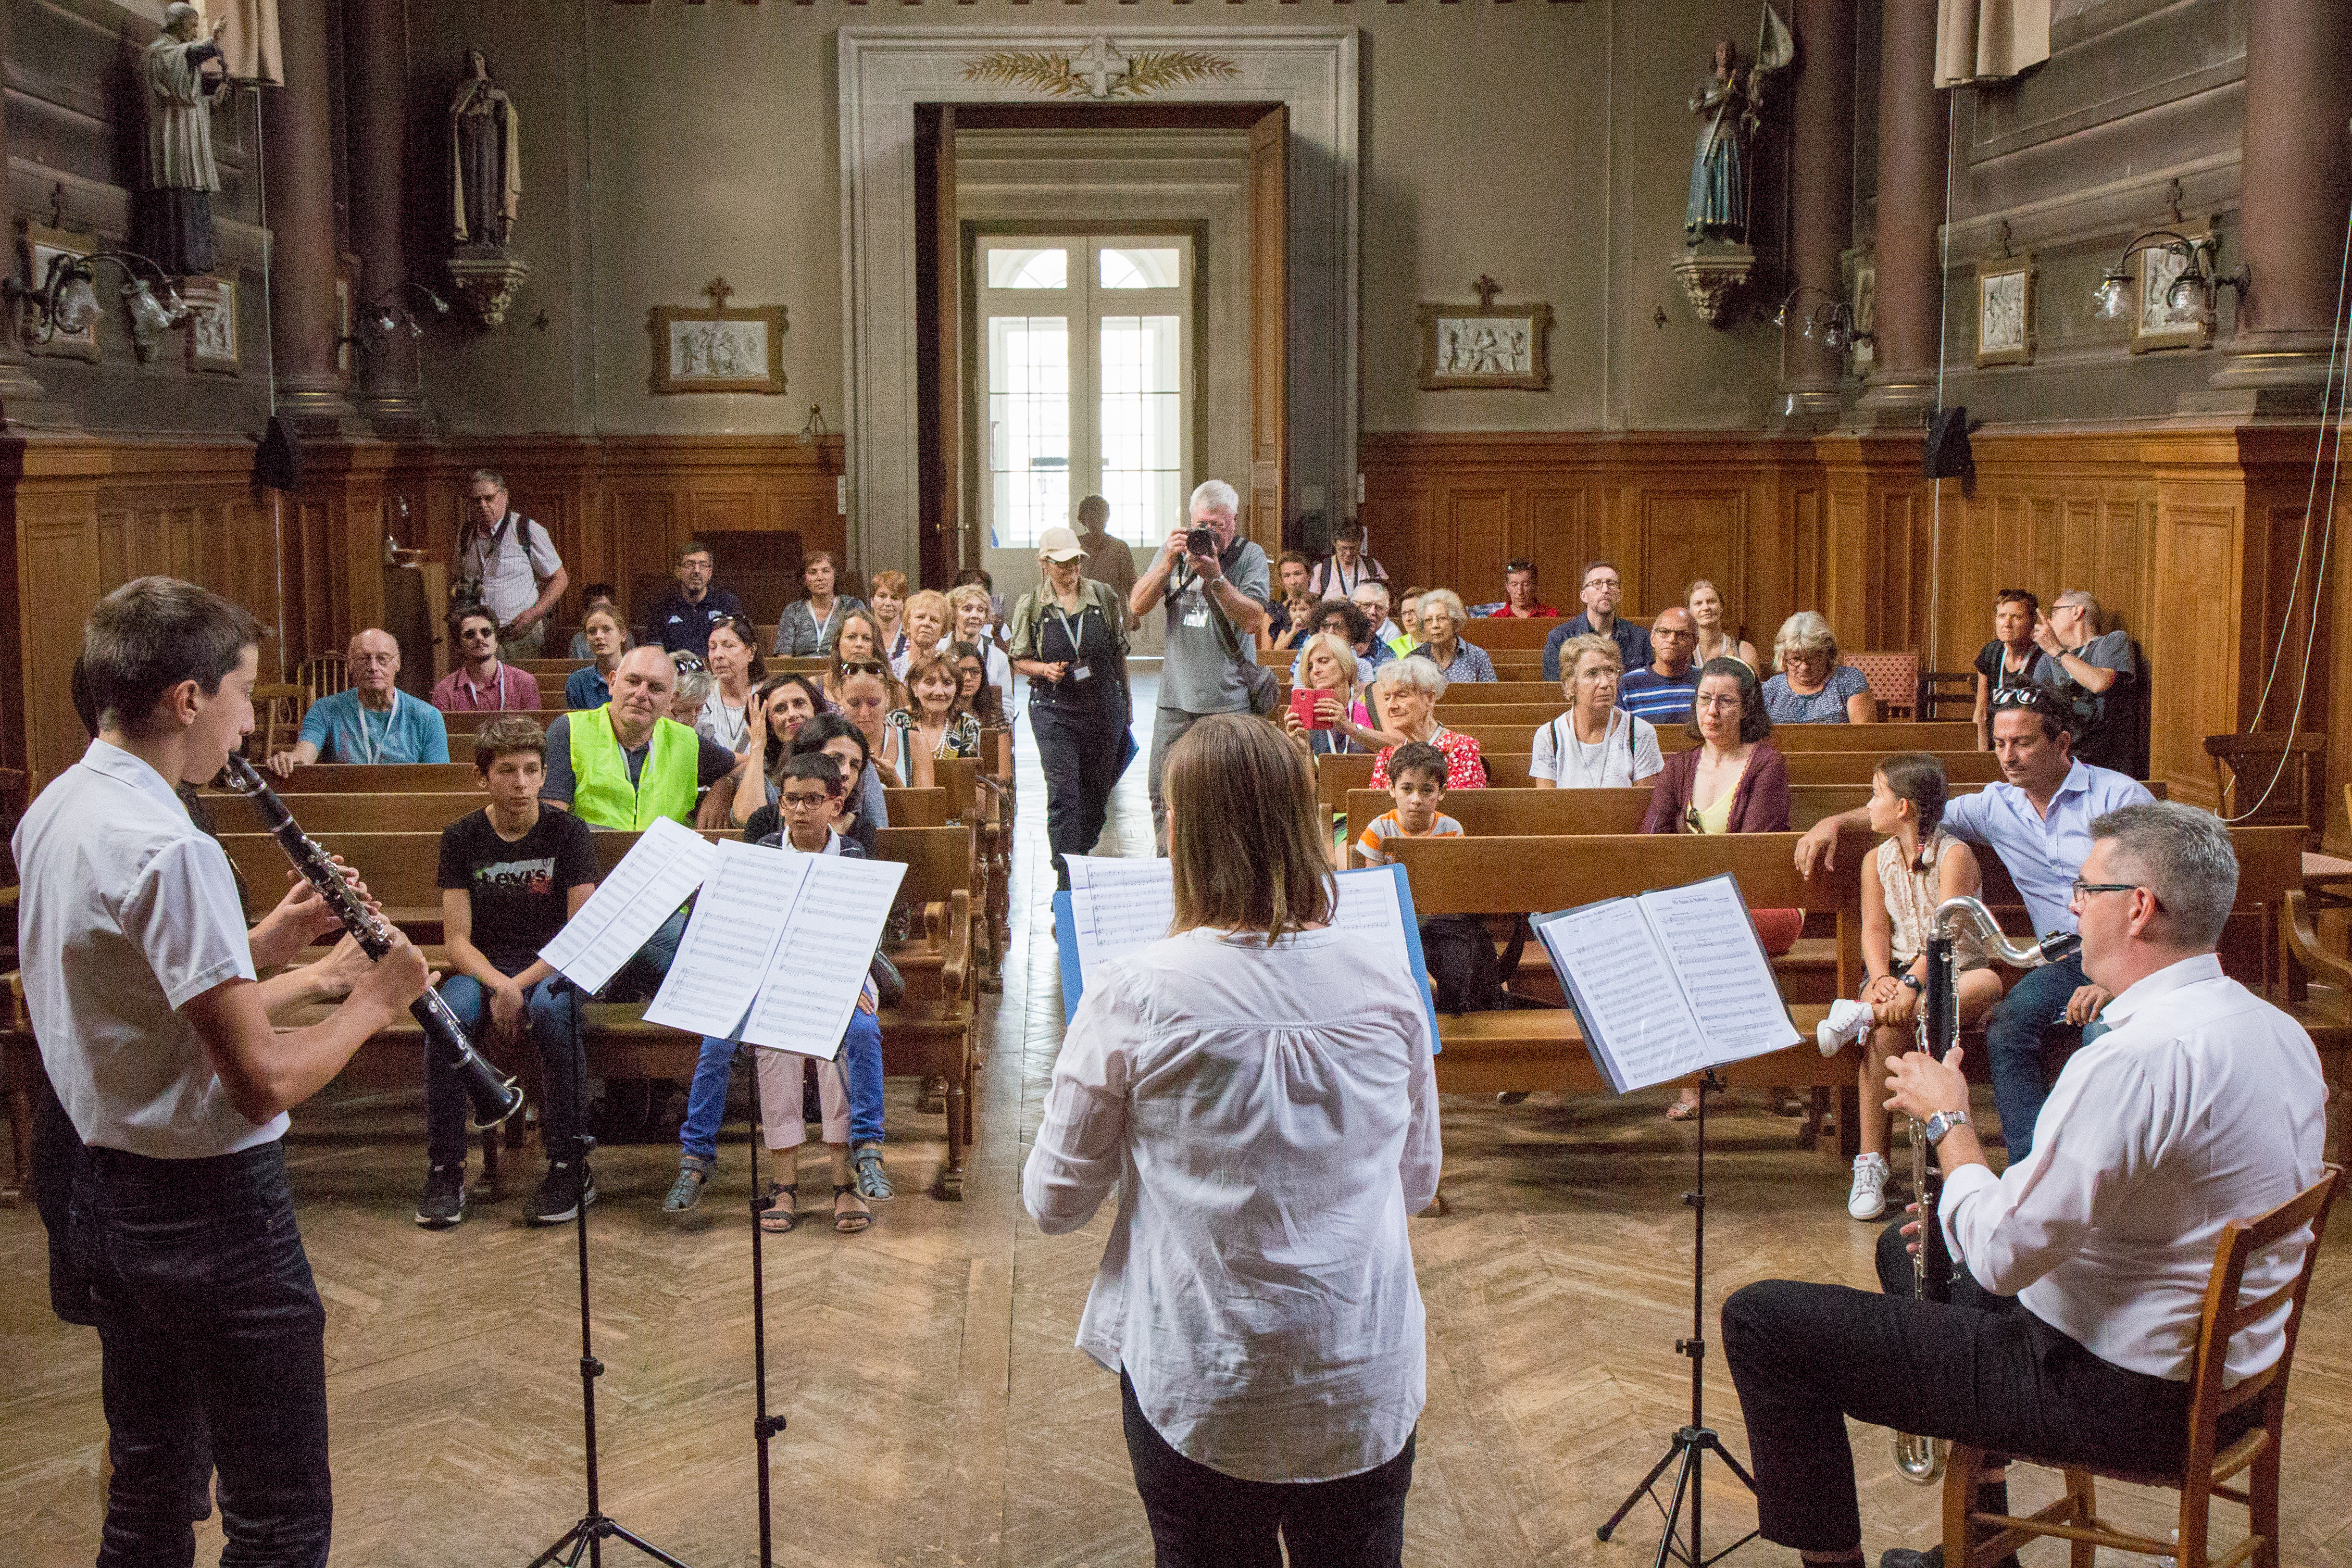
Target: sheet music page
[1368,910]
[660,871]
[808,983]
[1636,1024]
[1725,975]
[1119,905]
[745,903]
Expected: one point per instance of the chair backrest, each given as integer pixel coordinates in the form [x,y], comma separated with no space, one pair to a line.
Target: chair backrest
[2268,778]
[322,674]
[938,860]
[2227,1312]
[1943,693]
[1894,680]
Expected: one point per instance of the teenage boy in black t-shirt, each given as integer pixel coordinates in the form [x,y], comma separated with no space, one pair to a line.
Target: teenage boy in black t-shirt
[511,875]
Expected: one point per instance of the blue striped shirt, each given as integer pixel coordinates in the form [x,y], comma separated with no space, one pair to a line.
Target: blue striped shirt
[1645,694]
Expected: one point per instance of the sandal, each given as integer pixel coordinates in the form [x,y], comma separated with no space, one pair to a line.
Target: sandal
[779,1217]
[872,1184]
[1682,1111]
[849,1221]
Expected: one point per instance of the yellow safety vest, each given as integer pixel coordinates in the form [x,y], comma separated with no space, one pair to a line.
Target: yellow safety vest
[602,795]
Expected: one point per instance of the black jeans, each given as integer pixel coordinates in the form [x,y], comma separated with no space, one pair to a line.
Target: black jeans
[1079,744]
[1979,1369]
[208,1320]
[1201,1518]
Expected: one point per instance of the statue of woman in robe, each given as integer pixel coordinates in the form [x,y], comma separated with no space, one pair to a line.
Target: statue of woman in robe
[1717,209]
[174,214]
[486,157]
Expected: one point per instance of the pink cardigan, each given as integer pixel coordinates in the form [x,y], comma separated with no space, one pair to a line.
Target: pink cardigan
[1761,804]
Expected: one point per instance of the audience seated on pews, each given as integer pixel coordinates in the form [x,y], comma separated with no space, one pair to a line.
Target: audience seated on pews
[622,765]
[1716,638]
[1661,691]
[2091,673]
[1347,566]
[2006,661]
[733,659]
[982,697]
[1916,868]
[973,618]
[1109,561]
[607,637]
[937,725]
[597,596]
[680,620]
[1812,686]
[511,875]
[2038,820]
[372,721]
[509,564]
[778,708]
[864,812]
[1406,692]
[887,598]
[1340,618]
[482,681]
[1603,590]
[1417,784]
[1331,717]
[856,643]
[927,616]
[1735,780]
[812,787]
[1442,620]
[1291,620]
[1521,599]
[695,682]
[1598,744]
[808,626]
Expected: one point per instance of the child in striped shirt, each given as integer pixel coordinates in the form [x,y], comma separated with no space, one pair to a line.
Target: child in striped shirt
[1417,785]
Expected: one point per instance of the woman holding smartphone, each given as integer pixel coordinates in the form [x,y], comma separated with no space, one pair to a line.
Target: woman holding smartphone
[1264,1087]
[1068,636]
[1326,712]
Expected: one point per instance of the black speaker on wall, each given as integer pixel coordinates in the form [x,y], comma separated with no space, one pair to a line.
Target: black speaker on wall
[278,460]
[1947,455]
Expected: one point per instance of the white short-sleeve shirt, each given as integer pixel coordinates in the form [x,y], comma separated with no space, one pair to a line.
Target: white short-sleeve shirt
[129,911]
[513,560]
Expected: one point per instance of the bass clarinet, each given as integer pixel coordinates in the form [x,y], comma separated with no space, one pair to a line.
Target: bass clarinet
[1918,1458]
[494,1094]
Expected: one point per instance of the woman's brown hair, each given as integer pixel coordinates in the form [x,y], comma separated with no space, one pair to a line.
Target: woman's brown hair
[925,664]
[1241,834]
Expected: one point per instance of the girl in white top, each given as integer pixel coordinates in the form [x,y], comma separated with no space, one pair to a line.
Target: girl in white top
[1914,870]
[734,660]
[1262,1099]
[1595,745]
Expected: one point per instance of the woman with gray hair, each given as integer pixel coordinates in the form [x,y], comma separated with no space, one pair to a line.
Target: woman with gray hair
[1442,619]
[695,684]
[1068,635]
[1406,692]
[1812,687]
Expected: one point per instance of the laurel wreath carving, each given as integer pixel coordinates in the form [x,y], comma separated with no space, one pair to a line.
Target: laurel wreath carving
[1151,71]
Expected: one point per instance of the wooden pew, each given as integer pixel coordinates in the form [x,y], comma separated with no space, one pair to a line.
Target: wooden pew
[1335,775]
[464,725]
[382,779]
[1513,728]
[978,797]
[430,811]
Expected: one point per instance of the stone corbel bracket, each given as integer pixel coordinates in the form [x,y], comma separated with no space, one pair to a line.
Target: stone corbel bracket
[1712,275]
[487,282]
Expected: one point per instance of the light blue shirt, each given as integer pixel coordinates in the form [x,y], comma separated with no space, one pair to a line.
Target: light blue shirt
[2043,855]
[345,732]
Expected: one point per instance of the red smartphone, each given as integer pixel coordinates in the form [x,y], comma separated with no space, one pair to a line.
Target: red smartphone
[1302,703]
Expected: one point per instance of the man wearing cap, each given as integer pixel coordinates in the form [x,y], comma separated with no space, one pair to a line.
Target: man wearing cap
[1068,635]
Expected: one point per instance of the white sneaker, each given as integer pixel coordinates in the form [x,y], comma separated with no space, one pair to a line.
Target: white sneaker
[1868,1198]
[1847,1023]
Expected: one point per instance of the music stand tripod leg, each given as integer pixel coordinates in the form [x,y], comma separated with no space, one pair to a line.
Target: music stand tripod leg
[764,1426]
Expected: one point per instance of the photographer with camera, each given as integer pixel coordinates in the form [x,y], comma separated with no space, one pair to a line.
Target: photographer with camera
[1219,595]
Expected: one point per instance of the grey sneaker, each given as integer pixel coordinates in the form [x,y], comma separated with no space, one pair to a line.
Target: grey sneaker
[570,1186]
[873,1185]
[687,1190]
[444,1203]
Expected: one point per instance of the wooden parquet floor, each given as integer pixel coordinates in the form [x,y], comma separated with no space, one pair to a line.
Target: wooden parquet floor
[939,1412]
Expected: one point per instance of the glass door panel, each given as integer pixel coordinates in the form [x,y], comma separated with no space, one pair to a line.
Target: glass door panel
[1028,427]
[1142,424]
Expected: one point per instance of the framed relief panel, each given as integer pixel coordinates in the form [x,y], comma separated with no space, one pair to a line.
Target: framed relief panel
[2155,324]
[211,323]
[41,246]
[717,350]
[1491,346]
[2005,311]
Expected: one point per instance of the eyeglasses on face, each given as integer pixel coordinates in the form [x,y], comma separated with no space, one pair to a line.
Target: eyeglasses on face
[803,798]
[1719,704]
[2078,889]
[470,633]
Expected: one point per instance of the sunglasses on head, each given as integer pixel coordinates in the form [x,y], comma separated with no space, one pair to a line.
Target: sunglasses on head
[863,667]
[687,664]
[2019,697]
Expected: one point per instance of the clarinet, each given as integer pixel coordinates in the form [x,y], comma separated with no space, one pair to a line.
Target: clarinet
[494,1094]
[1918,1458]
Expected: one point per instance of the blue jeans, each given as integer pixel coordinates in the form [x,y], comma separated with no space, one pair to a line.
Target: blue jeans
[551,1018]
[208,1320]
[2035,1006]
[706,1098]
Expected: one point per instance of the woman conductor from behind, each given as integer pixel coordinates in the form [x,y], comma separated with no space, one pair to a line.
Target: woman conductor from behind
[1268,1094]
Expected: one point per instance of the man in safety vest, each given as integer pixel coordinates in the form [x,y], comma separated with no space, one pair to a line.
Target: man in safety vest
[625,764]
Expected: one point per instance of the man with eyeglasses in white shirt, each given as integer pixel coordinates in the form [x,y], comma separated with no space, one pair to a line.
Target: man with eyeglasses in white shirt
[2080,1273]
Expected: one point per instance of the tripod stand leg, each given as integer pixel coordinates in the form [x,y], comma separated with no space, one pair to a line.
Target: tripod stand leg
[655,1552]
[1636,1495]
[1668,1546]
[1715,1442]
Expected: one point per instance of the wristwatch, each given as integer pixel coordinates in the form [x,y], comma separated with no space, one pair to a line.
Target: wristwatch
[1913,981]
[1943,1122]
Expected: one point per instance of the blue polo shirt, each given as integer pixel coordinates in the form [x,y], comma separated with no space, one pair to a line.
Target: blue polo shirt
[345,732]
[586,687]
[2043,855]
[1633,643]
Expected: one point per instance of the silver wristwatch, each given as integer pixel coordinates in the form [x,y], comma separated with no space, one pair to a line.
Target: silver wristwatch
[1943,1122]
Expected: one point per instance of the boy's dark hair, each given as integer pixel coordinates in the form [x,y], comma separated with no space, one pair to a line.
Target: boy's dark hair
[1917,776]
[813,765]
[152,633]
[974,574]
[1417,756]
[1358,625]
[505,735]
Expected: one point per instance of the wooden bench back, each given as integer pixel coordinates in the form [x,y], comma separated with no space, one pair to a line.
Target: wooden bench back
[382,779]
[430,811]
[938,861]
[465,724]
[1335,775]
[1513,728]
[1509,632]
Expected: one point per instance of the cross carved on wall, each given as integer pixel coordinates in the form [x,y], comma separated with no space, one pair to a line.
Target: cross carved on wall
[1485,288]
[719,289]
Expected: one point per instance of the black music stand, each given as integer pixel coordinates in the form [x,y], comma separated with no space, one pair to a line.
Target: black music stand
[1692,1443]
[595,1527]
[764,1426]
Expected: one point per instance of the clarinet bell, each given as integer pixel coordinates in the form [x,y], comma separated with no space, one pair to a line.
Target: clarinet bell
[495,1095]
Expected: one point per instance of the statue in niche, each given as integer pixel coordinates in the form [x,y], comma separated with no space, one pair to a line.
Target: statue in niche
[1729,107]
[182,72]
[487,159]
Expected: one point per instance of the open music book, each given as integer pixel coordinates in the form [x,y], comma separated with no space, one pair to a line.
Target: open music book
[1668,984]
[1116,906]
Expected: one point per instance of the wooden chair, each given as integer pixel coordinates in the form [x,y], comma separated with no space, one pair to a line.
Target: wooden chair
[2208,1466]
[322,675]
[1894,680]
[278,718]
[1947,693]
[2266,778]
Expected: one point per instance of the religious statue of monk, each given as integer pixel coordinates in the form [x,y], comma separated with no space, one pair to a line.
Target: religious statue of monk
[1718,182]
[181,72]
[485,156]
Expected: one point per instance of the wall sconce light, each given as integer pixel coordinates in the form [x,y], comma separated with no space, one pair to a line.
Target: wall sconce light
[388,314]
[1831,323]
[66,300]
[2192,295]
[813,430]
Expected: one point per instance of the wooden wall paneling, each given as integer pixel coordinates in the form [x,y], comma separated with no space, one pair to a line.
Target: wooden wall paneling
[1686,534]
[56,561]
[1558,523]
[2195,639]
[1477,535]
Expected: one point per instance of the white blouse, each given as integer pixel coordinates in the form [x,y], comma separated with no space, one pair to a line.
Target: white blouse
[1269,1116]
[1629,751]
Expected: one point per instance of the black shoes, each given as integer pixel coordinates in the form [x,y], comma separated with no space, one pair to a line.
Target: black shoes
[569,1186]
[444,1203]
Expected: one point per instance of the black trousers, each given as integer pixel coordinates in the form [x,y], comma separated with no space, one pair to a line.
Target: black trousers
[209,1324]
[1079,744]
[1979,1369]
[1201,1518]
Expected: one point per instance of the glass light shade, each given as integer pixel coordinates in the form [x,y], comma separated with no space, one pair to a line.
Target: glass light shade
[1780,316]
[147,312]
[1835,337]
[2107,298]
[77,305]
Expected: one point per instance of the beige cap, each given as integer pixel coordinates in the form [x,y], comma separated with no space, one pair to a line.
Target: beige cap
[1060,544]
